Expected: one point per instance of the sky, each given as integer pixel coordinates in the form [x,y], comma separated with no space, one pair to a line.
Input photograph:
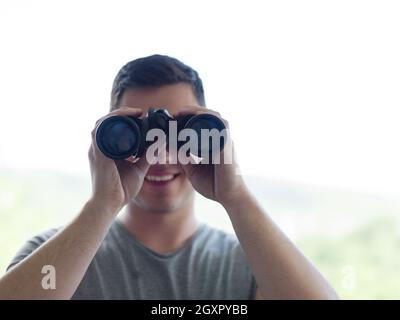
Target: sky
[310,88]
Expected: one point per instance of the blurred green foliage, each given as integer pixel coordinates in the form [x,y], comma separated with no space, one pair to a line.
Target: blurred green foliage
[364,264]
[353,238]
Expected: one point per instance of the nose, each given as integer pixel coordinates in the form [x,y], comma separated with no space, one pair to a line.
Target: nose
[165,155]
[162,155]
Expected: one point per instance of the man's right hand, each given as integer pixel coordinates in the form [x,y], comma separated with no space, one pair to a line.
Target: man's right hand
[115,182]
[71,250]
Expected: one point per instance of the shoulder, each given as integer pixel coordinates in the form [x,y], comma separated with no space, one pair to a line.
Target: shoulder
[42,237]
[218,237]
[220,242]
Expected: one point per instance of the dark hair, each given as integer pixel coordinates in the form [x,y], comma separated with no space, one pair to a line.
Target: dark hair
[155,71]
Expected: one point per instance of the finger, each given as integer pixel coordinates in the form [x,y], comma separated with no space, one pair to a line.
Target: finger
[187,168]
[188,110]
[126,111]
[123,111]
[91,152]
[142,166]
[195,110]
[190,161]
[132,159]
[97,157]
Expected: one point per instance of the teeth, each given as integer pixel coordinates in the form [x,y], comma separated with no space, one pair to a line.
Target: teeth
[159,178]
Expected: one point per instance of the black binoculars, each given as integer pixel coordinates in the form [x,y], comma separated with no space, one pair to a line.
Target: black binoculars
[119,137]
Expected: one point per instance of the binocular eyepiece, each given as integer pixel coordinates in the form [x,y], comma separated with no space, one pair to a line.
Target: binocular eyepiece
[119,137]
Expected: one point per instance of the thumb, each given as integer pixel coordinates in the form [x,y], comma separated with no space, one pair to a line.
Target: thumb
[189,164]
[142,166]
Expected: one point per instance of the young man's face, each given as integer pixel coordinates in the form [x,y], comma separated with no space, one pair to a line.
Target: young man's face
[166,187]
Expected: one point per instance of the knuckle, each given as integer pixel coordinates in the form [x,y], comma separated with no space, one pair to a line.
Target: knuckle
[90,152]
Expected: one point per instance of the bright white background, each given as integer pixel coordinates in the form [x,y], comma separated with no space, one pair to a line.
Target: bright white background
[311,88]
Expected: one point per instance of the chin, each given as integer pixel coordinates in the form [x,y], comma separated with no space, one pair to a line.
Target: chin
[165,199]
[158,207]
[162,210]
[163,203]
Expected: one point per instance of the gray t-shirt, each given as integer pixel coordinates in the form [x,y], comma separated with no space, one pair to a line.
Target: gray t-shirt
[210,265]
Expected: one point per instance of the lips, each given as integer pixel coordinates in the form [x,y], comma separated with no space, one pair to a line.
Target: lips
[160,179]
[167,177]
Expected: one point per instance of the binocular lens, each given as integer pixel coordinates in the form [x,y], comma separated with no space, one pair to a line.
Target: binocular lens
[208,122]
[205,123]
[118,137]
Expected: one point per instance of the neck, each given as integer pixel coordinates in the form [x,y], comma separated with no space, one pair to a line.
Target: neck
[162,232]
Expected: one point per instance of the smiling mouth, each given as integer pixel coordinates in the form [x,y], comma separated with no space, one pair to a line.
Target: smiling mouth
[160,179]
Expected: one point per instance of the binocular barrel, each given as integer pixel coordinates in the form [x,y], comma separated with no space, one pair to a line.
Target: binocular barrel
[119,137]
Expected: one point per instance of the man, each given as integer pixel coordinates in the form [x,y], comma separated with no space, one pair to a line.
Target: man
[157,249]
